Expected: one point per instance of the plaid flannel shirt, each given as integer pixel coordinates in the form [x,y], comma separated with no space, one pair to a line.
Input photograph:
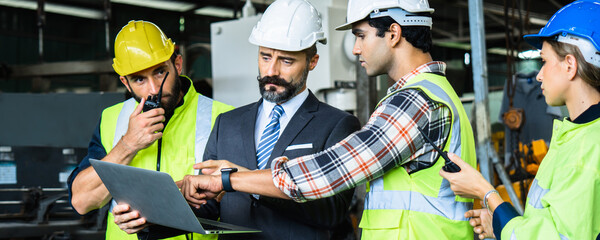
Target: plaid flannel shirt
[388,140]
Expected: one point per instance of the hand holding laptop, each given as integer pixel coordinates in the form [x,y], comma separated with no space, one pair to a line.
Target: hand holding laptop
[127,219]
[155,196]
[130,220]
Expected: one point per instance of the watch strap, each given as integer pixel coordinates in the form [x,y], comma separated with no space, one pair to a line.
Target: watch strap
[225,179]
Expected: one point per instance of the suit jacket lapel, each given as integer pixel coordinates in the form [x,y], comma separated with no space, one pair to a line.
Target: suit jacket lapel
[248,120]
[296,124]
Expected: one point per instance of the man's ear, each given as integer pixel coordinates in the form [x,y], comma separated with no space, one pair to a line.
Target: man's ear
[313,62]
[395,34]
[124,81]
[179,64]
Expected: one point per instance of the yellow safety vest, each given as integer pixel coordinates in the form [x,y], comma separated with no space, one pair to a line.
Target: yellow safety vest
[422,205]
[183,142]
[564,199]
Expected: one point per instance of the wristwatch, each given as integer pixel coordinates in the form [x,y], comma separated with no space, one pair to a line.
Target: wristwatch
[225,178]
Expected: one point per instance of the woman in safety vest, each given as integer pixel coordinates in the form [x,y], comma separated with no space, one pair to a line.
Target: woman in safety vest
[564,198]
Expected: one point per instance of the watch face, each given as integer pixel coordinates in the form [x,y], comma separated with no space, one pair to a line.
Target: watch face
[229,169]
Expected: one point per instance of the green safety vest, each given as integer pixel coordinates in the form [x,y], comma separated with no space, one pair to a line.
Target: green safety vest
[422,205]
[183,143]
[564,199]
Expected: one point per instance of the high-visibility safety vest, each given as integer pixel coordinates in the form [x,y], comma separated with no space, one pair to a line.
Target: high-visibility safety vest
[564,199]
[183,142]
[421,205]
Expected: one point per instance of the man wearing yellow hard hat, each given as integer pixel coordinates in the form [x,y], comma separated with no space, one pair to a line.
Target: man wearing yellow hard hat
[164,127]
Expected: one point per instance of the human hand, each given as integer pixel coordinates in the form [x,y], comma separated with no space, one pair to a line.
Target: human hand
[198,188]
[214,167]
[468,183]
[127,219]
[144,127]
[481,220]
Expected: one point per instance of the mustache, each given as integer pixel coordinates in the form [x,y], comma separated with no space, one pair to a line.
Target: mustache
[272,80]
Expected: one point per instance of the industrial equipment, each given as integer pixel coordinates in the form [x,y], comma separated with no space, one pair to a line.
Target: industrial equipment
[44,138]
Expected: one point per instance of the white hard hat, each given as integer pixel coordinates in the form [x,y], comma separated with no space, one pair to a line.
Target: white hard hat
[289,25]
[399,10]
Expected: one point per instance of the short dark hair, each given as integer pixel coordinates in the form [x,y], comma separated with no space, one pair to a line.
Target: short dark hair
[418,36]
[310,52]
[173,57]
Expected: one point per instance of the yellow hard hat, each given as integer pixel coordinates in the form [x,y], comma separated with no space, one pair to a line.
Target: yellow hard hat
[140,45]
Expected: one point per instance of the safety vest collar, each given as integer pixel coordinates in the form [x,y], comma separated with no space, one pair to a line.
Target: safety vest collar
[188,97]
[564,130]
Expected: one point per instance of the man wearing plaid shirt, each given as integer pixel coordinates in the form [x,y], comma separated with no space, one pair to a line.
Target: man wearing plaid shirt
[406,197]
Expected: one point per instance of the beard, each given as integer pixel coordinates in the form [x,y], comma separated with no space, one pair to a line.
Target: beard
[169,104]
[290,90]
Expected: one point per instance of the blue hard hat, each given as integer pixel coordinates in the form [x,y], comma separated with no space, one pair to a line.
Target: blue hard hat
[580,18]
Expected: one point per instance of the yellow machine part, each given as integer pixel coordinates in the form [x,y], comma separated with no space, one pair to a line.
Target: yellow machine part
[517,186]
[539,149]
[498,141]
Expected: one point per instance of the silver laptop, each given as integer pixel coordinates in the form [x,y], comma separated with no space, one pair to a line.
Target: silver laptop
[157,198]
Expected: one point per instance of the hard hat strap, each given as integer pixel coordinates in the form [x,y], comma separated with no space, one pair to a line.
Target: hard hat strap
[586,47]
[403,17]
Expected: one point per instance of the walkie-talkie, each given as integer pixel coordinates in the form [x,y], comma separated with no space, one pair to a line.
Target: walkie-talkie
[153,102]
[449,166]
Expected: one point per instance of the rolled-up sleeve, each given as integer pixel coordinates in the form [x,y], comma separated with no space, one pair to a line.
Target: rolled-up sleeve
[388,140]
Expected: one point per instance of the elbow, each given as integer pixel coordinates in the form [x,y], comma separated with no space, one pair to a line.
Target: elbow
[78,205]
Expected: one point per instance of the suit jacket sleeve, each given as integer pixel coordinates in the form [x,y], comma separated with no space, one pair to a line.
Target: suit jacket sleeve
[326,212]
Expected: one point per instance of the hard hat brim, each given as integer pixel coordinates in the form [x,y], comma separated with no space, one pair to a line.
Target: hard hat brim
[343,27]
[534,40]
[537,40]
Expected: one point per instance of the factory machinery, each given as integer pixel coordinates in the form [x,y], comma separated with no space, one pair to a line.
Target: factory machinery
[43,139]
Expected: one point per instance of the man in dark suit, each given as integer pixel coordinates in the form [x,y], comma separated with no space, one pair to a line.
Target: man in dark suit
[306,126]
[287,121]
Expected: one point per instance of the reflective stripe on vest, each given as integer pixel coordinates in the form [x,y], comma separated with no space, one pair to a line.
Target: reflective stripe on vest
[562,237]
[203,125]
[445,204]
[536,193]
[123,120]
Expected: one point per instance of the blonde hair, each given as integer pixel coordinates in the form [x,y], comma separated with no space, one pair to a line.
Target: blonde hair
[588,72]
